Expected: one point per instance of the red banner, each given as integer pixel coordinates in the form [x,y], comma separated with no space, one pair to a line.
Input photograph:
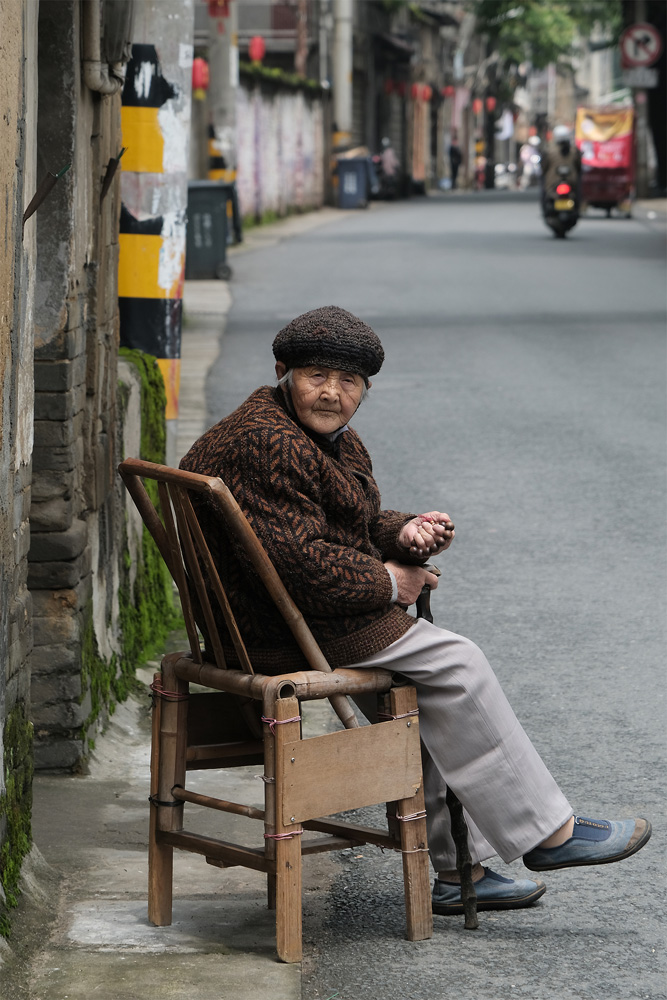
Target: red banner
[605,138]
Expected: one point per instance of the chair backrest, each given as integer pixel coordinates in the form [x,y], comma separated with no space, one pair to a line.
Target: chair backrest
[176,530]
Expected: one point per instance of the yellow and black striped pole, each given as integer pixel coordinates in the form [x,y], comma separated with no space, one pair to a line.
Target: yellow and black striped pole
[155,123]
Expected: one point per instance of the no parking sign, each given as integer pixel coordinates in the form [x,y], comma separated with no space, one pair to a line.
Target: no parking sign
[641,45]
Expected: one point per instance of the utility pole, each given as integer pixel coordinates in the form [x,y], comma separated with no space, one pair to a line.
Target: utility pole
[224,70]
[154,190]
[342,71]
[301,53]
[641,118]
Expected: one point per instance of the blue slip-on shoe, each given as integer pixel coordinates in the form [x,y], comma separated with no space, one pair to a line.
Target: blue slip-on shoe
[594,842]
[494,892]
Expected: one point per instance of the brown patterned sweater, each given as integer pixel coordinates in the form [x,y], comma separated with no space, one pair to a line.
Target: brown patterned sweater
[319,519]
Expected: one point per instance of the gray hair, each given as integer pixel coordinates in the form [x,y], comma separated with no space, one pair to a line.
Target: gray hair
[288,380]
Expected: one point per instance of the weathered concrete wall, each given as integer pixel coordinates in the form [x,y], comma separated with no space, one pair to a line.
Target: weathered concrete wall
[280,150]
[18,37]
[75,511]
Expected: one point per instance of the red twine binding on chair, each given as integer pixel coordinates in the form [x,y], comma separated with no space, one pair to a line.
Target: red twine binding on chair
[404,715]
[283,836]
[272,723]
[157,689]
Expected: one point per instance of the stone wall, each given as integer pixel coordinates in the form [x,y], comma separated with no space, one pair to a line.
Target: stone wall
[18,33]
[73,498]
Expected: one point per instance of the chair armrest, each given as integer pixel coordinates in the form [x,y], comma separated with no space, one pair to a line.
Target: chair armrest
[307,685]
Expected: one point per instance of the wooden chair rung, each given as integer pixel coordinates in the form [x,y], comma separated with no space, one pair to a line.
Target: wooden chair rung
[324,844]
[232,854]
[220,751]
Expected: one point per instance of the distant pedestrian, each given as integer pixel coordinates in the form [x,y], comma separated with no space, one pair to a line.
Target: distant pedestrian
[455,157]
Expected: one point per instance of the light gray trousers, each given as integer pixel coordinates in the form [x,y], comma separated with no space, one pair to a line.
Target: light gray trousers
[474,743]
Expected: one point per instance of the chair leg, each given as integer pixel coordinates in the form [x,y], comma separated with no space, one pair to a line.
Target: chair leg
[168,750]
[287,837]
[270,892]
[269,806]
[414,848]
[160,877]
[160,856]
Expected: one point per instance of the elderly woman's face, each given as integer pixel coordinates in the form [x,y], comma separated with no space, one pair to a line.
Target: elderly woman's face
[324,398]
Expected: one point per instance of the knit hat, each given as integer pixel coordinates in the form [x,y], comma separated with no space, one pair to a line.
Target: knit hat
[330,337]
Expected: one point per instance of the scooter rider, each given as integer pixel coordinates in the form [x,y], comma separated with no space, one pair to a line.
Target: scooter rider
[561,161]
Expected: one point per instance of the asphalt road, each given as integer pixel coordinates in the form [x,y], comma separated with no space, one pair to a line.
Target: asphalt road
[524,394]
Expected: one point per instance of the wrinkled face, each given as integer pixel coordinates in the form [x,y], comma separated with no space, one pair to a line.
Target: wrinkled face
[324,398]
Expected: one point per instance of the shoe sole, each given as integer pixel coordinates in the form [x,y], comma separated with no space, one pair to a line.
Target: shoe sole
[456,909]
[627,853]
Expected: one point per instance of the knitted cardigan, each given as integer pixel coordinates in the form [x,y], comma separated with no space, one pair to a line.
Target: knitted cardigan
[316,510]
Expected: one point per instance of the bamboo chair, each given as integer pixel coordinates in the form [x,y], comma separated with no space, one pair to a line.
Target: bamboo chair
[222,729]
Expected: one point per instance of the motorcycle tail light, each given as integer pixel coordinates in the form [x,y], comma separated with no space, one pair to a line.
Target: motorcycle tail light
[563,189]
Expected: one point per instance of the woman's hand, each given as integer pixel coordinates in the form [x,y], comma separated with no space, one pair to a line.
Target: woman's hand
[427,534]
[410,580]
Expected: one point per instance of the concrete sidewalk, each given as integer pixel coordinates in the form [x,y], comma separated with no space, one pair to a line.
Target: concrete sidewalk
[82,930]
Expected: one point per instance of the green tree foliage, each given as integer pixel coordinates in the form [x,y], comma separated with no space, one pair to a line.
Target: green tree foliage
[542,31]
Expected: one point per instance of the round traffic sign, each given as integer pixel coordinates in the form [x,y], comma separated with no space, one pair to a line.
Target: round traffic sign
[641,45]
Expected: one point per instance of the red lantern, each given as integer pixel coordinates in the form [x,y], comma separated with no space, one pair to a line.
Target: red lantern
[491,104]
[256,48]
[477,106]
[448,91]
[218,8]
[427,93]
[200,74]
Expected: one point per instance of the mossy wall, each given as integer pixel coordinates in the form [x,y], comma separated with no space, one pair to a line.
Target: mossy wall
[15,809]
[148,610]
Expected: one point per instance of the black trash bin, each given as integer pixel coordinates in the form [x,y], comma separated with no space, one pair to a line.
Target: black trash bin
[206,239]
[356,178]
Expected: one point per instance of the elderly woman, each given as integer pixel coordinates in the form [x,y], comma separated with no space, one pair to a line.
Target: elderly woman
[304,480]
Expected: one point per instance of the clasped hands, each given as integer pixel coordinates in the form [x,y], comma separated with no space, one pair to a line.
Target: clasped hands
[425,535]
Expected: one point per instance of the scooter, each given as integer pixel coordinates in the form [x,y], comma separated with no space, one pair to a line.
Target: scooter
[560,205]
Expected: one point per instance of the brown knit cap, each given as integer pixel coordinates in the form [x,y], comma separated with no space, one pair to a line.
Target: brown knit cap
[330,337]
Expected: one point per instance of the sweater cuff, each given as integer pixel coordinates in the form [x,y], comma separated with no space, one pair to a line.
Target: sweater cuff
[394,587]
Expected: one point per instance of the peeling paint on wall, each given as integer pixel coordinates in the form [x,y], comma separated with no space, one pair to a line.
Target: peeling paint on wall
[279,152]
[156,130]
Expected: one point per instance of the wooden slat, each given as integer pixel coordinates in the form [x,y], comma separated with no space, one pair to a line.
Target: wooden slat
[177,570]
[365,834]
[220,751]
[217,587]
[325,844]
[180,501]
[215,763]
[351,769]
[220,850]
